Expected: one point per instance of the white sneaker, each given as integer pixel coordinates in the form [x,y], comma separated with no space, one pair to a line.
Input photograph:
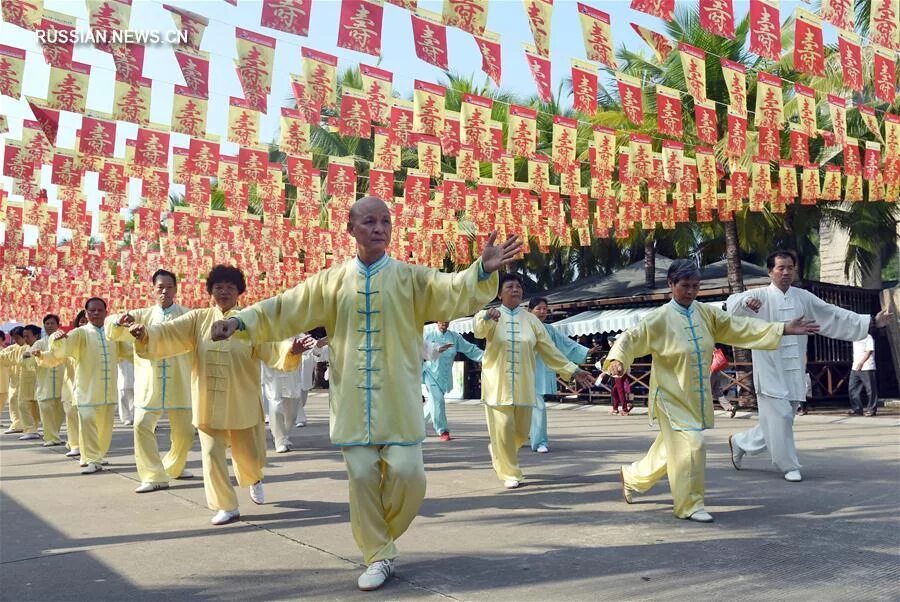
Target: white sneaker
[737,454]
[29,437]
[627,492]
[281,449]
[511,483]
[701,516]
[542,449]
[185,474]
[51,443]
[257,494]
[223,517]
[793,476]
[91,468]
[150,487]
[11,431]
[376,574]
[300,424]
[73,453]
[126,423]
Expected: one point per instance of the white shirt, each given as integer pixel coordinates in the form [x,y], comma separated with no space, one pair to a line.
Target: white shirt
[859,350]
[781,373]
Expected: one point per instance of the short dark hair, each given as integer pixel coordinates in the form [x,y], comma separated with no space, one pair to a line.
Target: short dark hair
[535,301]
[17,331]
[227,274]
[86,303]
[682,269]
[78,318]
[33,329]
[783,253]
[50,317]
[507,276]
[162,272]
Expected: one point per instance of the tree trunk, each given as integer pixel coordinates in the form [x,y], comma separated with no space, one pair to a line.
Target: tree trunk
[649,262]
[733,258]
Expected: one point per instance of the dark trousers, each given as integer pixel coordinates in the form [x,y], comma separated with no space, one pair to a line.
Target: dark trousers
[863,380]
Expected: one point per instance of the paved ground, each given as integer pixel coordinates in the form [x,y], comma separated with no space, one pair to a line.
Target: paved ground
[566,535]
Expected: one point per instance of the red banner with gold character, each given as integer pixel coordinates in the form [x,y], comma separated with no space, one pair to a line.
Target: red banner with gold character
[884,77]
[668,111]
[489,45]
[584,87]
[765,29]
[664,9]
[12,67]
[289,16]
[717,17]
[631,97]
[430,38]
[360,26]
[809,49]
[540,71]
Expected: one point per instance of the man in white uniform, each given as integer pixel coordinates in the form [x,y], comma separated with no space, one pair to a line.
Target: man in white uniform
[779,375]
[319,353]
[862,377]
[281,393]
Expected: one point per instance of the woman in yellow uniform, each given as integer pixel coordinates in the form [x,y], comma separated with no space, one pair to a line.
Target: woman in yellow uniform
[681,336]
[514,338]
[225,385]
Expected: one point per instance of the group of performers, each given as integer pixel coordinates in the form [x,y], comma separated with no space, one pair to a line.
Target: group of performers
[202,368]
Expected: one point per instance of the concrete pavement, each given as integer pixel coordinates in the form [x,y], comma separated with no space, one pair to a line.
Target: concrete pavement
[565,535]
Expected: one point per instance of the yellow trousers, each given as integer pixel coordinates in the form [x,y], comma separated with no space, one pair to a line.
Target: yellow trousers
[679,454]
[508,427]
[95,432]
[15,419]
[150,467]
[73,432]
[387,486]
[30,415]
[52,415]
[3,397]
[248,457]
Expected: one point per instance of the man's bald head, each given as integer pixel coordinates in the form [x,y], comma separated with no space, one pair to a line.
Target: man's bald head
[366,203]
[369,223]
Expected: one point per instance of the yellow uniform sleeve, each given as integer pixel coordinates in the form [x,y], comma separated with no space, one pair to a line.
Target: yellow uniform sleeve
[630,345]
[747,333]
[295,310]
[169,338]
[278,355]
[69,346]
[443,296]
[483,326]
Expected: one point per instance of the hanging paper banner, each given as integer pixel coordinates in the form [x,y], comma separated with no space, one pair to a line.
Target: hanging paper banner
[765,29]
[668,111]
[521,131]
[430,38]
[195,70]
[787,178]
[584,87]
[706,122]
[631,97]
[489,45]
[884,23]
[809,49]
[106,17]
[151,147]
[189,24]
[355,119]
[16,164]
[381,183]
[799,144]
[468,15]
[243,123]
[180,160]
[661,46]
[870,120]
[717,17]
[289,16]
[492,144]
[428,108]
[320,73]
[604,142]
[540,71]
[454,191]
[852,161]
[664,9]
[132,101]
[809,185]
[256,56]
[189,112]
[59,32]
[341,178]
[112,177]
[23,13]
[416,188]
[693,63]
[69,87]
[540,13]
[203,157]
[387,153]
[539,172]
[66,171]
[129,61]
[252,165]
[737,134]
[735,75]
[12,68]
[428,149]
[450,139]
[831,185]
[872,166]
[892,135]
[359,28]
[563,144]
[402,118]
[641,159]
[851,60]
[476,114]
[98,136]
[806,108]
[838,108]
[839,13]
[294,139]
[769,101]
[884,75]
[768,143]
[672,161]
[377,84]
[595,28]
[504,171]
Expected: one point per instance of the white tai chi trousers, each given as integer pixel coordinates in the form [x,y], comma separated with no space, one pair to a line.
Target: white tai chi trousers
[775,432]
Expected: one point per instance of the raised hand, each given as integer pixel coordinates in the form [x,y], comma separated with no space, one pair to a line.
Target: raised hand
[301,344]
[138,331]
[125,320]
[616,369]
[584,378]
[493,314]
[801,326]
[496,256]
[595,349]
[321,342]
[883,318]
[444,347]
[223,329]
[59,334]
[753,304]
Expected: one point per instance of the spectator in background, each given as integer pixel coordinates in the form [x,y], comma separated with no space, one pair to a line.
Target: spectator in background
[862,377]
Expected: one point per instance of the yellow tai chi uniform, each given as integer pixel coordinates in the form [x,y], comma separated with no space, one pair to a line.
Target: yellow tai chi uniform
[10,375]
[24,394]
[159,385]
[48,390]
[73,430]
[507,380]
[4,389]
[681,341]
[225,386]
[374,317]
[96,391]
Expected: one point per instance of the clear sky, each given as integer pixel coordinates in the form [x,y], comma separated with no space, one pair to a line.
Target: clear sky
[506,17]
